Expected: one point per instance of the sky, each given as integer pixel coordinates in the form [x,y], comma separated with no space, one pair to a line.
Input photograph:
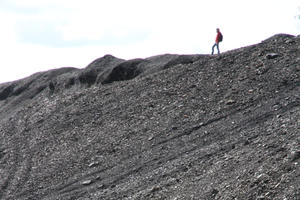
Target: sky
[38,35]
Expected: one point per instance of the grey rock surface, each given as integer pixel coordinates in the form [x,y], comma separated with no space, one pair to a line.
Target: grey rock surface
[164,127]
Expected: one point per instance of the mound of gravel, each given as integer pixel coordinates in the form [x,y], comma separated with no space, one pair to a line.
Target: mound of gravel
[164,127]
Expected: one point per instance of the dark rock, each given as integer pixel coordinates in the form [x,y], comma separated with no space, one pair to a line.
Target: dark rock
[51,86]
[156,189]
[87,77]
[7,91]
[295,155]
[272,55]
[2,153]
[124,71]
[214,192]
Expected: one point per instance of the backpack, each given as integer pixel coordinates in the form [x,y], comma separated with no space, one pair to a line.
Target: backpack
[221,37]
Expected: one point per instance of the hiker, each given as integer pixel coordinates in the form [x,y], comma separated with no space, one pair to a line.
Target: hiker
[219,39]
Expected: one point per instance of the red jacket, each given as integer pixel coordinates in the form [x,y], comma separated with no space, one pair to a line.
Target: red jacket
[218,37]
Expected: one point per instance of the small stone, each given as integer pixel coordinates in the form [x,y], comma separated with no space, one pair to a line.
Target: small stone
[276,107]
[93,164]
[174,128]
[261,197]
[155,188]
[246,142]
[230,102]
[272,55]
[87,182]
[150,138]
[214,192]
[289,41]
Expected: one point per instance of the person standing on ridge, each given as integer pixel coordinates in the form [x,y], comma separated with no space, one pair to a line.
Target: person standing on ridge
[219,39]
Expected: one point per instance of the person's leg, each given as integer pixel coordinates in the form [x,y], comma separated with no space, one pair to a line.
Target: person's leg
[213,47]
[217,44]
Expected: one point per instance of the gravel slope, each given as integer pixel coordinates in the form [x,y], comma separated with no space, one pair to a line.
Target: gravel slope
[165,127]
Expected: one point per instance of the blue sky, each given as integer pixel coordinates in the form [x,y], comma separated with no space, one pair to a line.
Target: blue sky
[40,35]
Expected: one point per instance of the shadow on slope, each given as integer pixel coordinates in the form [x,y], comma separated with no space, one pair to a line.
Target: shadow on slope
[104,70]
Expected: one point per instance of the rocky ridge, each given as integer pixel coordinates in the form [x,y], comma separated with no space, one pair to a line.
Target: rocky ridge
[164,127]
